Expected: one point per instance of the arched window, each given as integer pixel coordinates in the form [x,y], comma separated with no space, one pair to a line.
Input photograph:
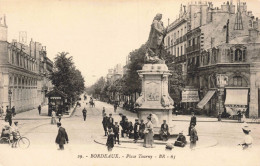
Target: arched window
[238,55]
[237,81]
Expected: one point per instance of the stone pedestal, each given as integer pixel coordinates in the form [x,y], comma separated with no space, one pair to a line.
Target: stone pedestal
[155,97]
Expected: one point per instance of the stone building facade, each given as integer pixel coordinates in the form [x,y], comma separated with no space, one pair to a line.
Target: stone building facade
[24,72]
[222,57]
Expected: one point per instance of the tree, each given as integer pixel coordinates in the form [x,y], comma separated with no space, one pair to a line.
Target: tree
[66,77]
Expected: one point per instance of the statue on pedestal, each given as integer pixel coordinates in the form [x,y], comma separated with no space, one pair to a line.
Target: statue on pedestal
[155,42]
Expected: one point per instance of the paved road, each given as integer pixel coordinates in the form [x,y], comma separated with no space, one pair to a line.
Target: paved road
[43,150]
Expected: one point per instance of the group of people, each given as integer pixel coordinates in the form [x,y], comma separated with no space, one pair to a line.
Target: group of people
[11,132]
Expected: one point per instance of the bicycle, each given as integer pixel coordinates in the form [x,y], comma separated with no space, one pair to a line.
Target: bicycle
[22,142]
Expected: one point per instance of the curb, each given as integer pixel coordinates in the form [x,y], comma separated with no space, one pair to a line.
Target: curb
[45,118]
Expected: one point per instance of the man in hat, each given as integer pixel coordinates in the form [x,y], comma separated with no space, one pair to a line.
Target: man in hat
[141,129]
[136,130]
[181,140]
[39,109]
[105,123]
[164,132]
[193,120]
[124,125]
[8,116]
[110,121]
[116,132]
[110,140]
[84,113]
[193,137]
[62,137]
[248,140]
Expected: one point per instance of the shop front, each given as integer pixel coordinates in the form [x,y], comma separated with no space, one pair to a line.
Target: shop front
[236,100]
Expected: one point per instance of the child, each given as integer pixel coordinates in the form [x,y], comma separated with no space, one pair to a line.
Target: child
[110,140]
[116,132]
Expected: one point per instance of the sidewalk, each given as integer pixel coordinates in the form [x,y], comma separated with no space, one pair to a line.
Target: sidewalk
[34,114]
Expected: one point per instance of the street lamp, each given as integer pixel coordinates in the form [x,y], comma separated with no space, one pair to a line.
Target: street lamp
[10,97]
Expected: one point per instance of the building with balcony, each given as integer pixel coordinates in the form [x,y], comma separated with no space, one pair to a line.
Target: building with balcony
[222,58]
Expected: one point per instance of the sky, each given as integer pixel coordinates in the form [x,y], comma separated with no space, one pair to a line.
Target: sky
[98,34]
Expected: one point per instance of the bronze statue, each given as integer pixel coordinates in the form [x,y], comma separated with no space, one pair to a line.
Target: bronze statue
[155,42]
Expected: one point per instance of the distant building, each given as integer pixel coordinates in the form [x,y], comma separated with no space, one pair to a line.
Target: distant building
[24,71]
[223,46]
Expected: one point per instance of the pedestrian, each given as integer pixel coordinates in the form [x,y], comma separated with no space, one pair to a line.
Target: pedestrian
[243,116]
[239,115]
[105,123]
[84,112]
[148,138]
[110,121]
[59,117]
[103,111]
[193,137]
[39,109]
[181,140]
[115,107]
[116,132]
[141,129]
[8,116]
[53,119]
[13,111]
[130,129]
[219,116]
[62,137]
[110,140]
[248,140]
[136,130]
[164,132]
[193,120]
[14,131]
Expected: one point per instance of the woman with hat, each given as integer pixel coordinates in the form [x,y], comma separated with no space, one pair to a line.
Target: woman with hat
[148,138]
[248,140]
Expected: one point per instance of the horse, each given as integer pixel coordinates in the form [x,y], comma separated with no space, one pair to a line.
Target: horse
[92,104]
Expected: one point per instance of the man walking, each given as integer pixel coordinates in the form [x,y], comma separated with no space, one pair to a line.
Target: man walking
[39,109]
[193,120]
[62,137]
[8,116]
[84,112]
[105,122]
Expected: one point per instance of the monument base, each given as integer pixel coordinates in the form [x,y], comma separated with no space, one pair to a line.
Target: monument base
[158,115]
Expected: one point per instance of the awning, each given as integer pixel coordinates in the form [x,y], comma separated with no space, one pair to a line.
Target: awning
[206,99]
[236,100]
[236,97]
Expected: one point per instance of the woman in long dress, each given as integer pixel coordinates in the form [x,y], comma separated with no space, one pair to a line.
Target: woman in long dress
[53,119]
[148,139]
